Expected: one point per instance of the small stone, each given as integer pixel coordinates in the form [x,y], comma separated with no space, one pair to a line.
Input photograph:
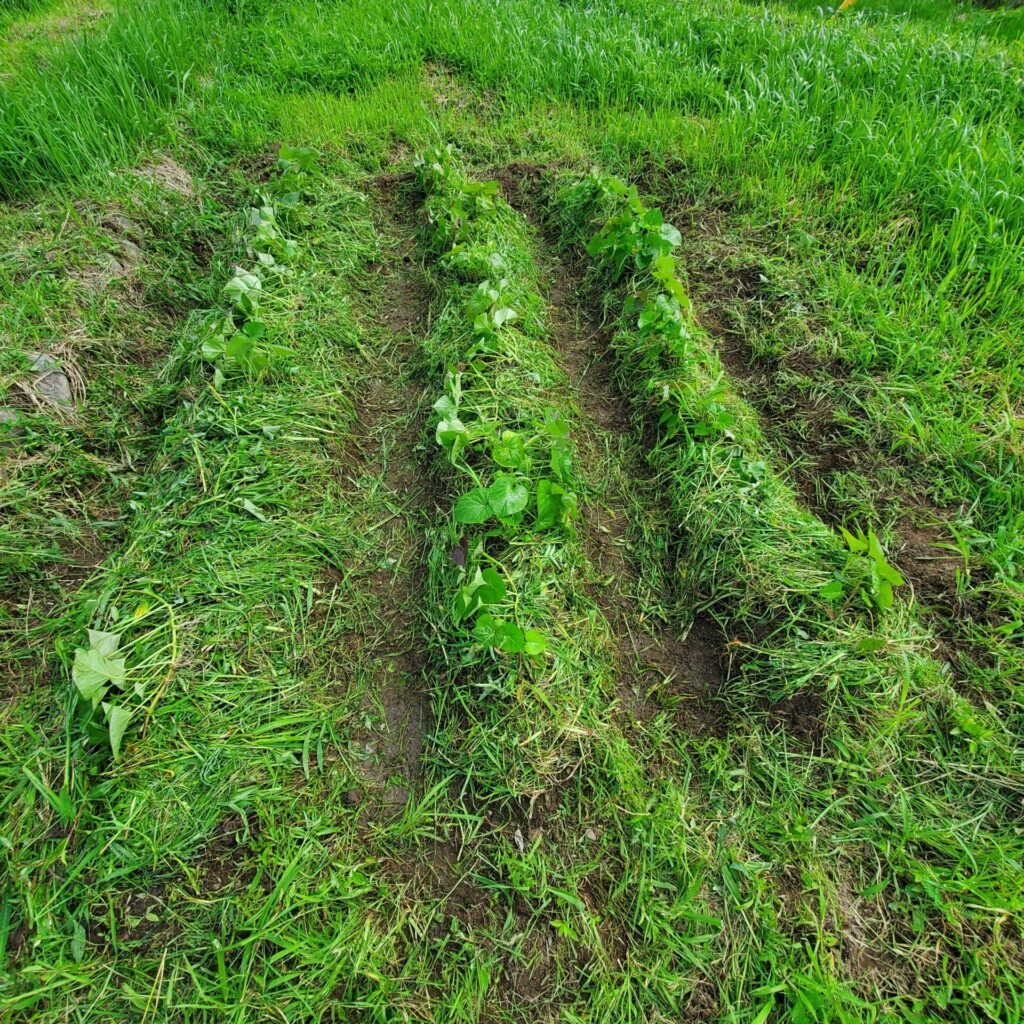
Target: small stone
[131,254]
[110,265]
[51,381]
[122,225]
[8,424]
[591,834]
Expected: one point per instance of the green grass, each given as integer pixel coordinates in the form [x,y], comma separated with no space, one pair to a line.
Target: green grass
[709,792]
[95,100]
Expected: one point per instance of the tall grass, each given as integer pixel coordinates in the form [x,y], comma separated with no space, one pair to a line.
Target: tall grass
[97,99]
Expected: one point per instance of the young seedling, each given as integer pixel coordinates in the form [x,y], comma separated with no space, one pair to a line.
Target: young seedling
[877,592]
[98,672]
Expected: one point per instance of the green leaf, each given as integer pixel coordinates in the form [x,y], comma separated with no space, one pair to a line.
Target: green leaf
[243,290]
[253,510]
[492,589]
[117,721]
[485,588]
[507,496]
[535,643]
[512,640]
[238,347]
[486,631]
[870,644]
[883,596]
[832,591]
[891,575]
[446,408]
[279,351]
[665,272]
[451,434]
[92,671]
[254,329]
[549,503]
[78,938]
[561,461]
[89,674]
[671,235]
[510,451]
[474,507]
[495,632]
[858,545]
[213,347]
[106,643]
[555,425]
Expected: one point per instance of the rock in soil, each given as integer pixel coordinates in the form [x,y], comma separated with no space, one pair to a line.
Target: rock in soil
[51,382]
[131,254]
[122,225]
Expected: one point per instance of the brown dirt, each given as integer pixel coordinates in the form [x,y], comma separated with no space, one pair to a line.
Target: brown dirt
[816,441]
[518,181]
[692,669]
[143,917]
[927,563]
[29,604]
[222,864]
[644,658]
[702,1004]
[531,975]
[868,944]
[391,753]
[800,715]
[438,874]
[261,166]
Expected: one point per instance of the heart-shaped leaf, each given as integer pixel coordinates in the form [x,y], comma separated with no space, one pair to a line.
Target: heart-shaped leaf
[486,630]
[495,632]
[474,507]
[512,640]
[507,496]
[451,434]
[446,407]
[510,451]
[492,590]
[503,316]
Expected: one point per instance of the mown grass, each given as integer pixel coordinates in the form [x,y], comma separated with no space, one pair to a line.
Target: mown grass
[343,805]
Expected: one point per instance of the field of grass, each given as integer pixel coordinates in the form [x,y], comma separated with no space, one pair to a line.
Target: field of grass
[511,512]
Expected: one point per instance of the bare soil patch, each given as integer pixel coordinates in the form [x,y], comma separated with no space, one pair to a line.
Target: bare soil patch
[388,437]
[439,874]
[801,715]
[927,561]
